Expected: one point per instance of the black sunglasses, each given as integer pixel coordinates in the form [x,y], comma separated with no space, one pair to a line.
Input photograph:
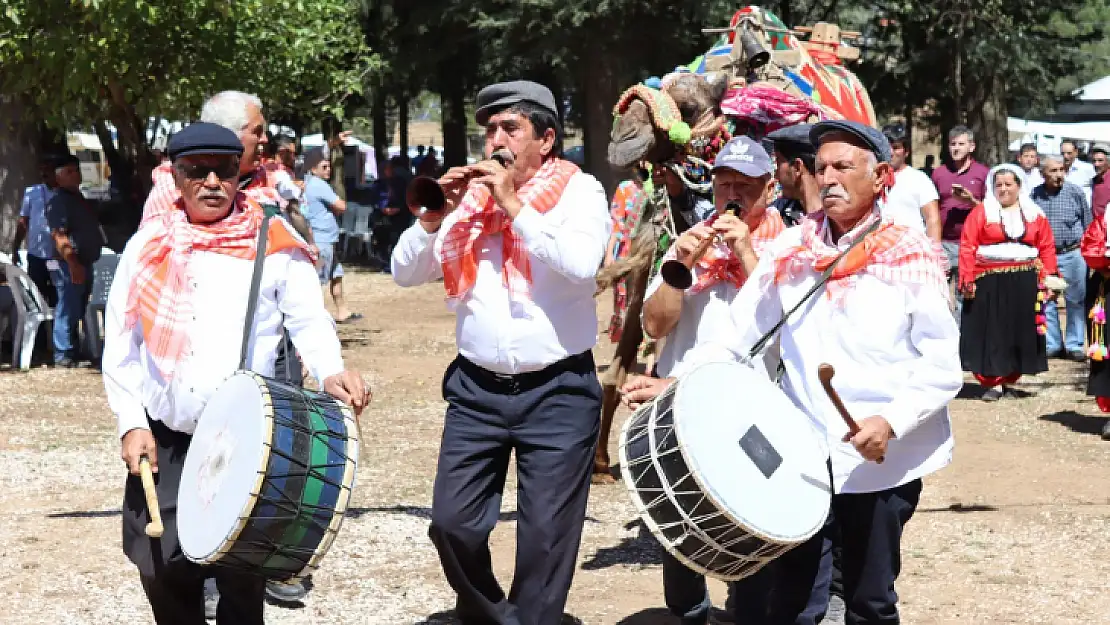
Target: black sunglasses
[225,170]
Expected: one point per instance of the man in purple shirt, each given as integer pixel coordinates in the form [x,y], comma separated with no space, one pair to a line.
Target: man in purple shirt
[961,184]
[1100,191]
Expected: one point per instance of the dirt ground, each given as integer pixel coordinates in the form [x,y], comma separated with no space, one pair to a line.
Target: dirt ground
[1014,531]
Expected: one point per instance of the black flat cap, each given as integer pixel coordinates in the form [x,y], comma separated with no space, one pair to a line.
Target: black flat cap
[62,160]
[504,94]
[204,138]
[793,140]
[872,138]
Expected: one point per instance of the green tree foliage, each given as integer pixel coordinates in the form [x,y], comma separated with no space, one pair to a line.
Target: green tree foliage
[79,62]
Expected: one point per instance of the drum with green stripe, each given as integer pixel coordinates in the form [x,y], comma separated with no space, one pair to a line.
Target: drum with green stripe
[267,478]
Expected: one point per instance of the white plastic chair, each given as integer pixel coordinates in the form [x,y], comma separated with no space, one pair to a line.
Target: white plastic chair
[31,310]
[360,231]
[346,225]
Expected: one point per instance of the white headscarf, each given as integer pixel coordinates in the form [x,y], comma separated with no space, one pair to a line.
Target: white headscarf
[993,208]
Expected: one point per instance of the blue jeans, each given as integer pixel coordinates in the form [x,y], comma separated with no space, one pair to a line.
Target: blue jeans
[70,309]
[1074,271]
[952,250]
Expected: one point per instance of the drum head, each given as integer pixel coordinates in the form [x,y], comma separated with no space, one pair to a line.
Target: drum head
[224,468]
[753,451]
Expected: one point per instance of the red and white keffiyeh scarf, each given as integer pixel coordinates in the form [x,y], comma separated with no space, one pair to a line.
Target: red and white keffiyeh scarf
[160,296]
[892,253]
[720,264]
[479,215]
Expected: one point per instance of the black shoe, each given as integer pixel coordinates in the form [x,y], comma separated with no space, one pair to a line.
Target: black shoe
[1077,356]
[991,394]
[1106,431]
[283,592]
[211,599]
[66,363]
[1056,354]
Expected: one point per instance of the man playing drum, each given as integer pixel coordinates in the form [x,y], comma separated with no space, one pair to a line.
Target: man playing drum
[174,324]
[518,249]
[741,180]
[882,321]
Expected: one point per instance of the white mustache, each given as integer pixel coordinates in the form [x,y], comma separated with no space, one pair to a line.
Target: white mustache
[215,195]
[835,192]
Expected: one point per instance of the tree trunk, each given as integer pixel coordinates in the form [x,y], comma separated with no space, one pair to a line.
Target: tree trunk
[19,138]
[601,89]
[378,112]
[989,122]
[452,96]
[403,124]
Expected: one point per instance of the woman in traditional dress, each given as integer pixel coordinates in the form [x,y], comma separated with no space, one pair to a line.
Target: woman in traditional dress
[1097,254]
[1006,252]
[626,209]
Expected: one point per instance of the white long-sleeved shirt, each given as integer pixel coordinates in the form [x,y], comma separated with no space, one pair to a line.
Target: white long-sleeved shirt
[565,247]
[895,348]
[289,295]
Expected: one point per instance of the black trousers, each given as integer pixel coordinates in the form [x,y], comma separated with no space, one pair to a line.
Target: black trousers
[174,586]
[550,419]
[869,528]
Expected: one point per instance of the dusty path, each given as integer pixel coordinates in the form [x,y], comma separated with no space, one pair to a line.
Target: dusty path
[1015,531]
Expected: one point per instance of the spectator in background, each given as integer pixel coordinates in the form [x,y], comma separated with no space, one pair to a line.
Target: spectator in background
[285,153]
[1078,172]
[961,184]
[913,200]
[1100,186]
[32,226]
[795,172]
[396,215]
[1065,205]
[321,208]
[429,165]
[418,159]
[77,239]
[1030,162]
[336,140]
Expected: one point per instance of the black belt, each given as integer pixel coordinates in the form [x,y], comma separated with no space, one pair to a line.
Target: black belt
[1064,249]
[512,384]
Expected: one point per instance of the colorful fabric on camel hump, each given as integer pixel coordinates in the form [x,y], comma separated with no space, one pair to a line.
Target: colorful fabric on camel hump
[160,295]
[479,215]
[626,209]
[890,253]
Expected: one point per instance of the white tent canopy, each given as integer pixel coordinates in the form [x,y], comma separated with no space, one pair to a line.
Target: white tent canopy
[1097,90]
[1048,135]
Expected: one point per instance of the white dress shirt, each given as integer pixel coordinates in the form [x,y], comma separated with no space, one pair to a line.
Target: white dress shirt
[565,247]
[1033,179]
[1082,174]
[912,190]
[704,315]
[895,348]
[289,295]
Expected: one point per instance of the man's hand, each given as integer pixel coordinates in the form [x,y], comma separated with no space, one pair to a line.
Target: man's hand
[390,210]
[76,272]
[689,241]
[968,291]
[963,193]
[136,444]
[736,233]
[349,388]
[872,438]
[640,389]
[499,180]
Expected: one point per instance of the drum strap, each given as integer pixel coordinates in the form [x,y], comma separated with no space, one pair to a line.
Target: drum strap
[256,285]
[761,344]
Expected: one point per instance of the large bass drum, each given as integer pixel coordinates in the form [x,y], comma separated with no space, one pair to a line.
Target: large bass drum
[267,478]
[725,471]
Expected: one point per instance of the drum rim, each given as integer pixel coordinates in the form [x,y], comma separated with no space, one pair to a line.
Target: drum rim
[339,513]
[646,518]
[706,489]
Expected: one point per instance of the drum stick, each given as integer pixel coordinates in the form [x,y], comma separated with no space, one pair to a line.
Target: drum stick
[154,528]
[825,373]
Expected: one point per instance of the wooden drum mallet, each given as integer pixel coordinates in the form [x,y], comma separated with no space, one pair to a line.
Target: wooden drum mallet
[825,373]
[154,529]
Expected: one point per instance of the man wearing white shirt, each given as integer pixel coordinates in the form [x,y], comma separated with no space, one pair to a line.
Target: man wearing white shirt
[518,250]
[913,200]
[1030,162]
[883,322]
[742,175]
[173,333]
[1078,172]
